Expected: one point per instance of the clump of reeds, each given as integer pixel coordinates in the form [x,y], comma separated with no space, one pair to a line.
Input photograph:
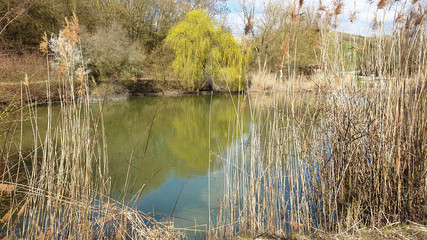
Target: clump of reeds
[65,194]
[375,136]
[373,158]
[355,158]
[264,81]
[267,188]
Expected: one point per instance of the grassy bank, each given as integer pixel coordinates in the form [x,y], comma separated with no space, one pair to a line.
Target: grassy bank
[31,67]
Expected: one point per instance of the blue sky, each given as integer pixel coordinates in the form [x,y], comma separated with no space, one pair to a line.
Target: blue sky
[366,13]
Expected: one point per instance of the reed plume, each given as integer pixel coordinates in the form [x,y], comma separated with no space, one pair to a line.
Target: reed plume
[339,7]
[353,16]
[382,3]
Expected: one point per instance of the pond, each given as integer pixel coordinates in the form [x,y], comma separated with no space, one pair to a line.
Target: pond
[166,153]
[171,160]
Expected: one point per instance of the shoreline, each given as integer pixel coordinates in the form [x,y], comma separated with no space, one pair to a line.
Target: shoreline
[165,94]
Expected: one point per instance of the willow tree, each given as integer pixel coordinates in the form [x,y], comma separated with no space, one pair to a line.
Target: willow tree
[205,53]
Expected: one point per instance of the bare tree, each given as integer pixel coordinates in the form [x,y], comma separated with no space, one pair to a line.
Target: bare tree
[11,11]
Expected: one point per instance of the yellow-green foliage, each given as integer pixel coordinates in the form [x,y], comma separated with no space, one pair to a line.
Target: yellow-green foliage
[203,52]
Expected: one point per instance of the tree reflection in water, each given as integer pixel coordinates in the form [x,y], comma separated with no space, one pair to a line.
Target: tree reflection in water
[179,140]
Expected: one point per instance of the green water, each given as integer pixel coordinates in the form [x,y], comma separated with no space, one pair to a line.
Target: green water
[176,156]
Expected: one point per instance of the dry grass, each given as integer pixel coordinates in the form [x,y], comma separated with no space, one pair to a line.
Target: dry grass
[348,165]
[15,66]
[7,188]
[395,231]
[319,81]
[353,159]
[264,81]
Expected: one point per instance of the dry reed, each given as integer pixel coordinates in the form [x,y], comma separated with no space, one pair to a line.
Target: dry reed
[355,158]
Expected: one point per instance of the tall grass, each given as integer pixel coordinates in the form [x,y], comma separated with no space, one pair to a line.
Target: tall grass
[354,158]
[268,186]
[66,189]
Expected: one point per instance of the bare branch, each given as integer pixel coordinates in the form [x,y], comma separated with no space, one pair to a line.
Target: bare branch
[14,13]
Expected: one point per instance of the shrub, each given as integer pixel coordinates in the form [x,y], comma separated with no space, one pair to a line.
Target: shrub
[109,91]
[112,55]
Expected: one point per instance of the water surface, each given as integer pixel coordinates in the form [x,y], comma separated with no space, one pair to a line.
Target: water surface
[167,141]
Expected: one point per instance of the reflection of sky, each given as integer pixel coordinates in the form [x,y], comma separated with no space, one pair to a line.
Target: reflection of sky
[365,13]
[192,204]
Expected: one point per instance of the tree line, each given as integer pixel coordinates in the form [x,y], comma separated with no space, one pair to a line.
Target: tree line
[166,39]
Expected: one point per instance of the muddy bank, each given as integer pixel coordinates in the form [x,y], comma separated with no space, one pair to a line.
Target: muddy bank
[36,91]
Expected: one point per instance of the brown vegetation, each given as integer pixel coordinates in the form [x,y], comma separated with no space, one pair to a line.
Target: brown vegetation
[354,159]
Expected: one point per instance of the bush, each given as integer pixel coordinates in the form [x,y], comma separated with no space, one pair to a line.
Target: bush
[160,69]
[112,55]
[108,91]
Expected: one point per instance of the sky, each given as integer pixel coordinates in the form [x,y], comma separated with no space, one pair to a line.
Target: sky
[366,13]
